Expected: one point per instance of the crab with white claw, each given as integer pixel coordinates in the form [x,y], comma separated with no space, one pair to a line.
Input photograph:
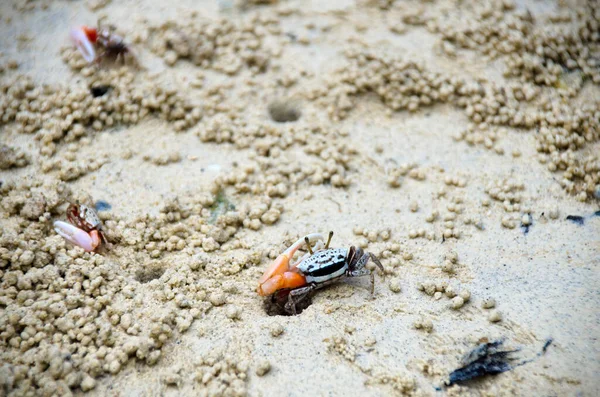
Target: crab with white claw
[318,268]
[84,229]
[103,38]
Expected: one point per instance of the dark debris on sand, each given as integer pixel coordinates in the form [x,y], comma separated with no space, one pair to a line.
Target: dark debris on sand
[488,359]
[578,220]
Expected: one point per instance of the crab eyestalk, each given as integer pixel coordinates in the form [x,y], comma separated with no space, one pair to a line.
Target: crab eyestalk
[76,236]
[280,274]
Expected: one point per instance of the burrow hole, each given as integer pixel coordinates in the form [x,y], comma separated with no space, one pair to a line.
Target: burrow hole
[284,110]
[274,305]
[149,272]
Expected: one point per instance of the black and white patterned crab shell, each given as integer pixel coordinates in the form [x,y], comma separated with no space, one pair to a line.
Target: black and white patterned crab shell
[90,216]
[325,265]
[84,217]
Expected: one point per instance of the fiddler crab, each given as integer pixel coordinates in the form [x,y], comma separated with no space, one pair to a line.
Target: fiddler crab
[88,40]
[84,229]
[318,268]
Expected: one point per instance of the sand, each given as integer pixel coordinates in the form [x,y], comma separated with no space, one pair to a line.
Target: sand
[245,126]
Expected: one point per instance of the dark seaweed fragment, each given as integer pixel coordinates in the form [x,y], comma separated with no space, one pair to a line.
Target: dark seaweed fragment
[597,213]
[485,359]
[579,220]
[102,205]
[546,346]
[489,359]
[524,227]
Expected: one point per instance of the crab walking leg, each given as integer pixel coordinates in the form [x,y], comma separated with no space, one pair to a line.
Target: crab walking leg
[377,262]
[74,235]
[296,296]
[364,272]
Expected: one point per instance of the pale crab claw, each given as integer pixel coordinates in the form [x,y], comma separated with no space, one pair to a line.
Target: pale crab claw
[74,235]
[83,44]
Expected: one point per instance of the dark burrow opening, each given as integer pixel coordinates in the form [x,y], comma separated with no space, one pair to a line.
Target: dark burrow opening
[274,305]
[284,111]
[149,272]
[99,90]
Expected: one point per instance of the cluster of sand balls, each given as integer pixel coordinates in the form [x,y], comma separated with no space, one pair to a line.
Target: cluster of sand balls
[485,137]
[449,219]
[59,327]
[209,221]
[562,137]
[581,177]
[342,347]
[112,98]
[538,52]
[389,251]
[70,317]
[123,99]
[400,84]
[488,32]
[558,56]
[71,165]
[565,127]
[56,328]
[11,157]
[273,173]
[222,45]
[411,170]
[510,193]
[564,130]
[441,288]
[222,374]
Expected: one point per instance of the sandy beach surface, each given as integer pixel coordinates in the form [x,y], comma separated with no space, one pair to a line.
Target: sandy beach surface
[457,141]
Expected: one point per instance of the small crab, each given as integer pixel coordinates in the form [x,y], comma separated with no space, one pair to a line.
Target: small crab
[318,268]
[111,45]
[84,229]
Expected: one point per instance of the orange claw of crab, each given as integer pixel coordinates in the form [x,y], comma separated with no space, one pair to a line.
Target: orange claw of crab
[91,33]
[280,274]
[287,280]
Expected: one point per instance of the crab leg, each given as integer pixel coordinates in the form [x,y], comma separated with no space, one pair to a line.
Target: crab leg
[296,296]
[74,235]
